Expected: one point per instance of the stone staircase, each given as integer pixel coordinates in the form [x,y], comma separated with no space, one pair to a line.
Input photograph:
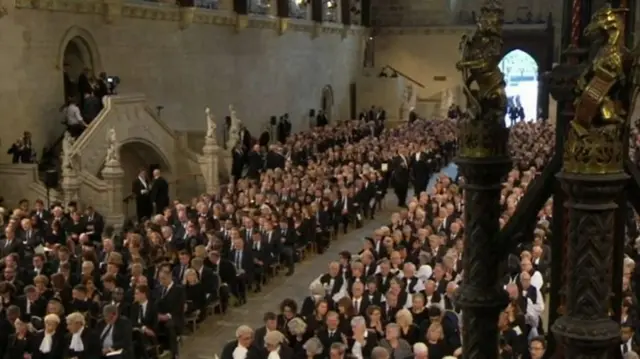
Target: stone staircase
[90,180]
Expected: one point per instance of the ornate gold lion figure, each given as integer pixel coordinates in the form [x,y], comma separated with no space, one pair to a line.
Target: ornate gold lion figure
[481,54]
[604,93]
[484,84]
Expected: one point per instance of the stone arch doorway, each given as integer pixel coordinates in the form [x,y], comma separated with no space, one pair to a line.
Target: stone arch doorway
[327,102]
[520,71]
[78,51]
[134,156]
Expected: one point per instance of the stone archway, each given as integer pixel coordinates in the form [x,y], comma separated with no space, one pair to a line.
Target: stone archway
[136,155]
[77,51]
[327,102]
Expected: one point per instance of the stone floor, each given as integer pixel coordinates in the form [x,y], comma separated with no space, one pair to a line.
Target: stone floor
[216,331]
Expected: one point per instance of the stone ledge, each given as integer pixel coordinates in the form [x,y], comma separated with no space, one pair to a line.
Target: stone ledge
[164,12]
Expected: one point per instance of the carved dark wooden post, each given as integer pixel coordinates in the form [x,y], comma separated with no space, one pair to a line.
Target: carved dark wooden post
[317,10]
[483,162]
[593,177]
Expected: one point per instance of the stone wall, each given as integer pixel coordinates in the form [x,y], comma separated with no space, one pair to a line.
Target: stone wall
[260,71]
[428,58]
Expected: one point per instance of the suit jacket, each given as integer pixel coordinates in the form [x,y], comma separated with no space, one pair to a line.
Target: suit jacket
[253,351]
[38,308]
[246,261]
[327,339]
[57,345]
[172,303]
[160,193]
[94,223]
[122,336]
[11,246]
[210,282]
[263,253]
[90,342]
[148,319]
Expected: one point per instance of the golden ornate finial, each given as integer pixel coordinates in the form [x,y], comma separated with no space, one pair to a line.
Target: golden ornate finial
[484,133]
[604,92]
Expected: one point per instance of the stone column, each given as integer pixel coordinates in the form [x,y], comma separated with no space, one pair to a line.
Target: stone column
[113,176]
[273,8]
[483,161]
[209,165]
[225,5]
[70,185]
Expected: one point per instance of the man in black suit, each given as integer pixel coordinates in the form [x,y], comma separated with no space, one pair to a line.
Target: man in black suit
[359,301]
[159,192]
[262,259]
[245,138]
[210,280]
[32,304]
[224,268]
[237,163]
[144,315]
[170,303]
[94,224]
[275,159]
[255,163]
[244,264]
[330,333]
[270,320]
[10,244]
[115,333]
[400,176]
[284,128]
[141,192]
[420,169]
[321,119]
[244,339]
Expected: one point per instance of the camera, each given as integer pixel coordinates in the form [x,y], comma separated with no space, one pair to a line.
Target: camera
[112,83]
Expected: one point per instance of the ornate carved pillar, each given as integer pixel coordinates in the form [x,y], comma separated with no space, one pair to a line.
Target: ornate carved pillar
[112,10]
[483,161]
[113,175]
[210,157]
[317,10]
[70,185]
[593,178]
[70,181]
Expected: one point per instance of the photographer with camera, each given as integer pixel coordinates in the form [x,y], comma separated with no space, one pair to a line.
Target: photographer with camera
[22,149]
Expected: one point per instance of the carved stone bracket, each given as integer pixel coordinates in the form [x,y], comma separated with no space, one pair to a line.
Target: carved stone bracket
[187,14]
[345,31]
[316,30]
[111,10]
[242,22]
[283,24]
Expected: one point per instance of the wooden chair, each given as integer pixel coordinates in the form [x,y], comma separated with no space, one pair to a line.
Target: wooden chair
[211,307]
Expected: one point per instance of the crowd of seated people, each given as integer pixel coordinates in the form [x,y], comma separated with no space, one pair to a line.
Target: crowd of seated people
[396,297]
[72,287]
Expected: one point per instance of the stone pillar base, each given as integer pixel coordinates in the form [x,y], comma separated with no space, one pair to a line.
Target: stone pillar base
[209,166]
[113,175]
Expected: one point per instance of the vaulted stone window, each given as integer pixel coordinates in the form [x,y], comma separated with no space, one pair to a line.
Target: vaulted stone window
[330,10]
[299,9]
[260,7]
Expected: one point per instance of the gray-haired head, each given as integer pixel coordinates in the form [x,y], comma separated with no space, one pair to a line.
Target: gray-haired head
[358,321]
[313,346]
[379,353]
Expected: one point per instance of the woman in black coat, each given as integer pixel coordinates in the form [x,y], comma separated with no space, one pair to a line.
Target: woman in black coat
[20,343]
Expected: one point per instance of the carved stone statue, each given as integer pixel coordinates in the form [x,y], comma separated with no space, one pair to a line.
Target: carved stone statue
[66,157]
[113,153]
[211,124]
[234,128]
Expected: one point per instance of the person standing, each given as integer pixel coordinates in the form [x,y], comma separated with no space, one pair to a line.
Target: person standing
[141,192]
[159,192]
[400,176]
